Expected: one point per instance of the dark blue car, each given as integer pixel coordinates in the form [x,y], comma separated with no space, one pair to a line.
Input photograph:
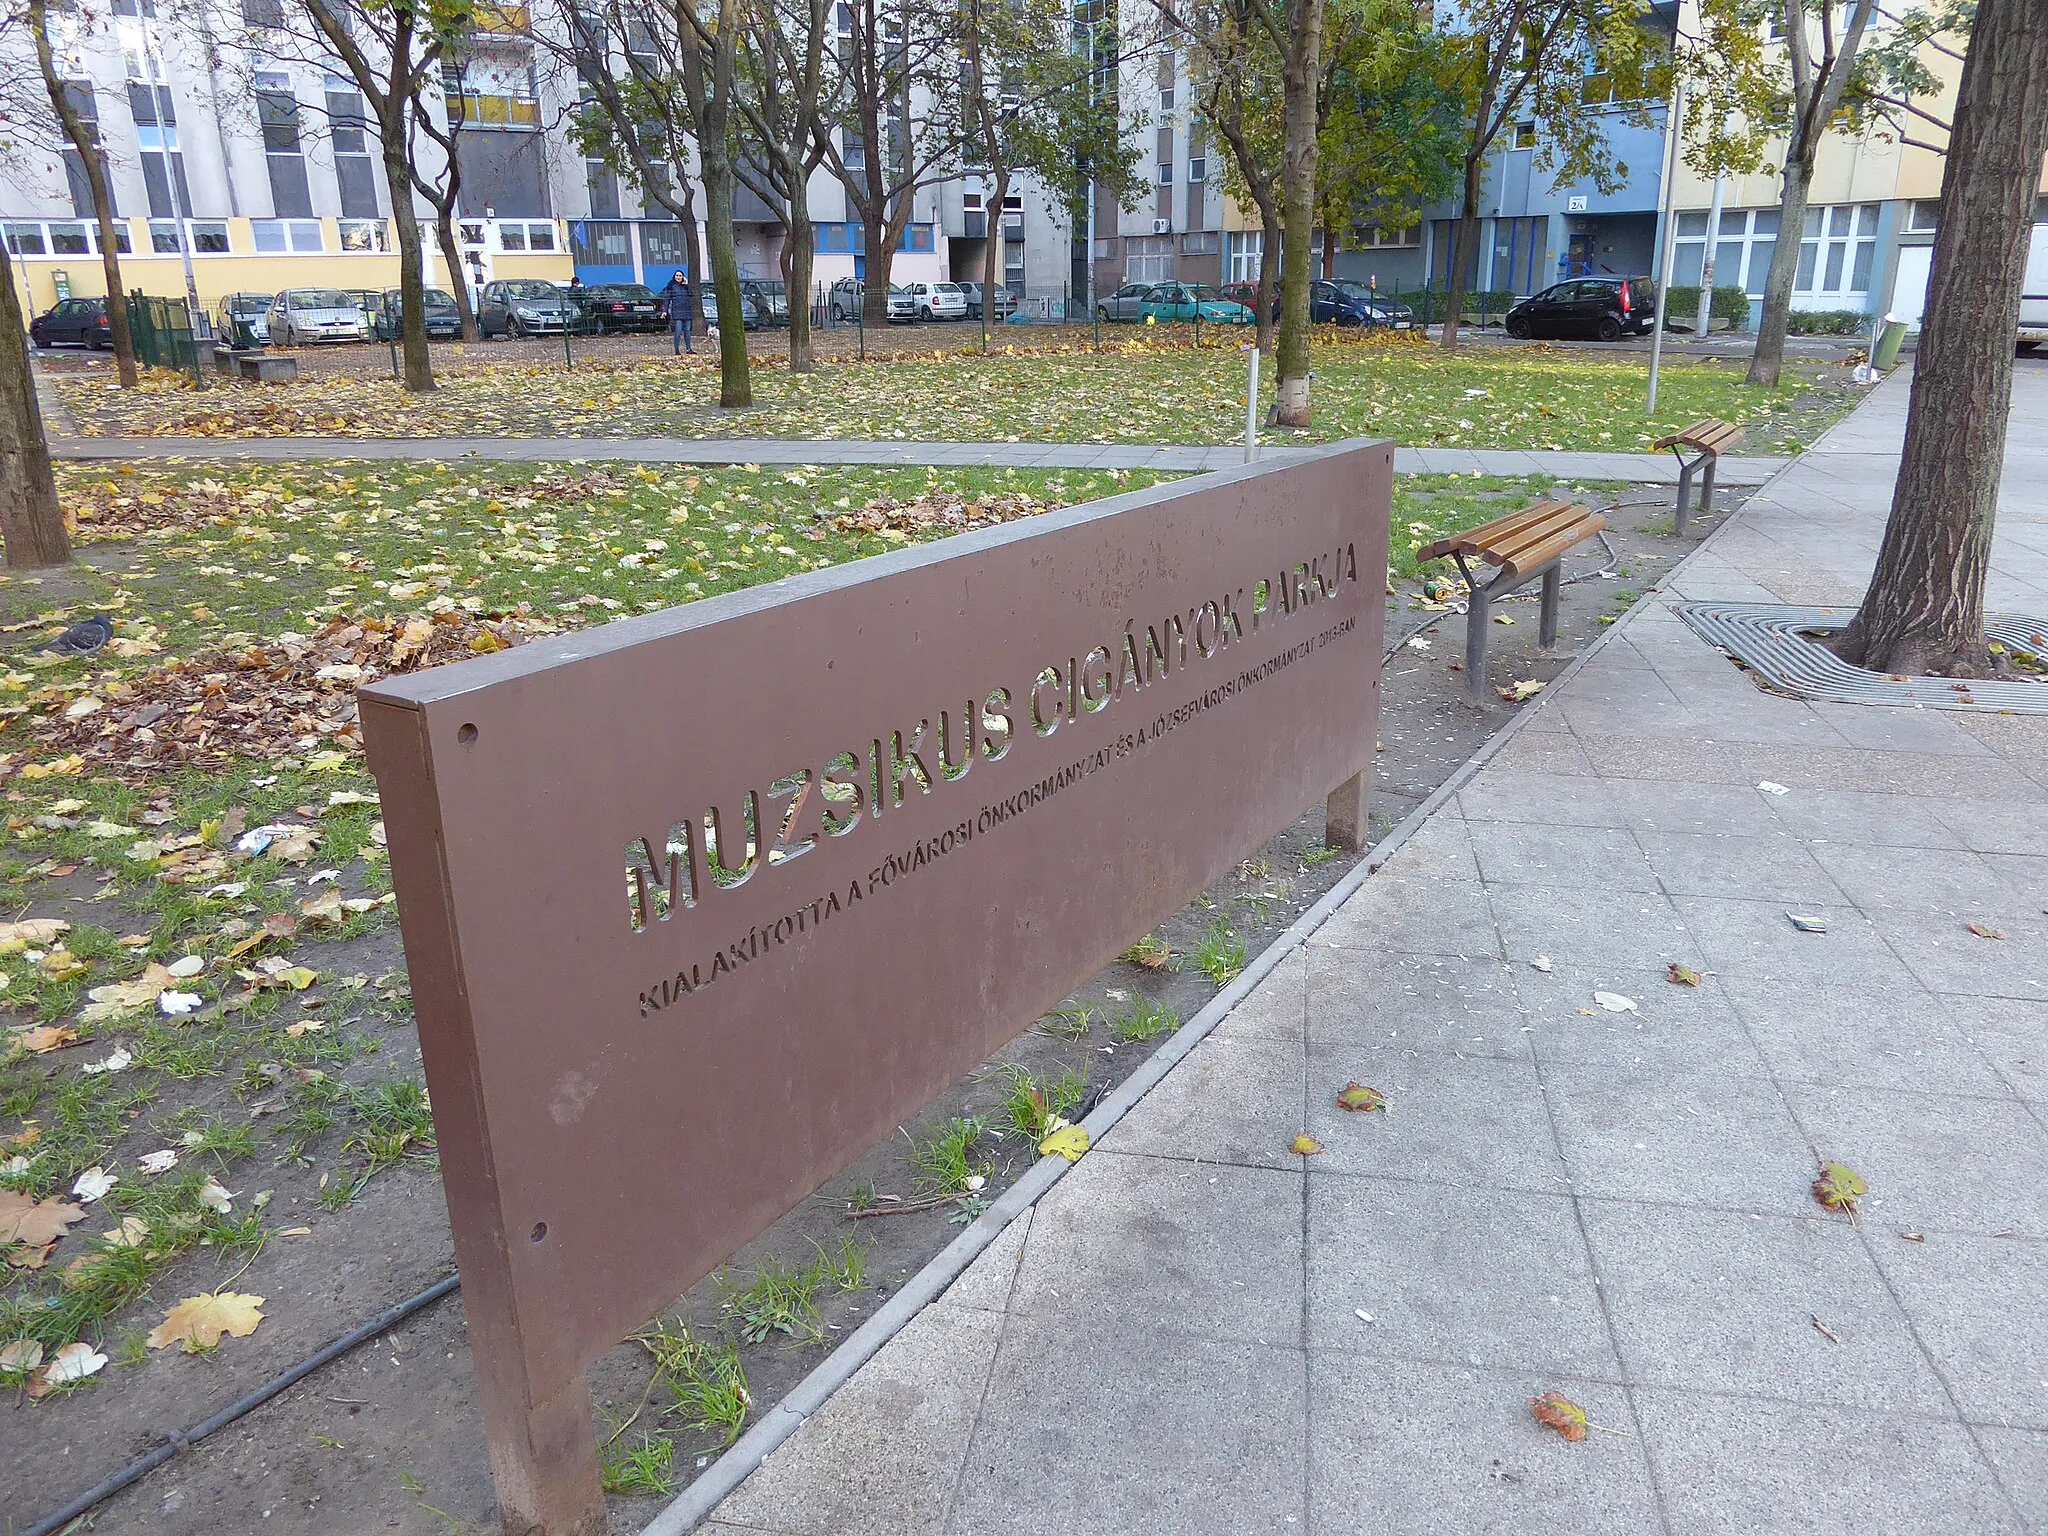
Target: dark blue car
[1329,303]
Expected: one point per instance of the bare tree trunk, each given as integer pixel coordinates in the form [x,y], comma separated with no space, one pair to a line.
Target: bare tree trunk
[735,384]
[1463,249]
[993,215]
[880,262]
[451,254]
[1769,356]
[1924,610]
[416,366]
[796,282]
[1301,68]
[90,151]
[31,522]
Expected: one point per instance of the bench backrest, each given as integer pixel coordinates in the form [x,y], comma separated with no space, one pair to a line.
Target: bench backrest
[1524,541]
[1709,435]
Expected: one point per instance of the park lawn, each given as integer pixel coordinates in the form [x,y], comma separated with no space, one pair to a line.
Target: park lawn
[234,588]
[1136,390]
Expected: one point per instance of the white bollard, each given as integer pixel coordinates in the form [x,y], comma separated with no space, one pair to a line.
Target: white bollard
[1251,407]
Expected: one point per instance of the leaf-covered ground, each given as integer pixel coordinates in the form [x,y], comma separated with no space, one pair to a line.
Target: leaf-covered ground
[1134,391]
[202,1002]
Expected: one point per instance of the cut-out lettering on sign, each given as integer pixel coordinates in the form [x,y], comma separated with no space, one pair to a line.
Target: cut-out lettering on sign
[699,905]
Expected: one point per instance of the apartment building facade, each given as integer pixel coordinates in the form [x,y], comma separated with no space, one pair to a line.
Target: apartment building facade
[232,150]
[1865,245]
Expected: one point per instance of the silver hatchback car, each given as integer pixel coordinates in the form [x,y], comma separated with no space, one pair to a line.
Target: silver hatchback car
[301,315]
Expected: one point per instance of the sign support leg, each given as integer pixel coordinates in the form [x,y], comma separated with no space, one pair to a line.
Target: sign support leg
[1346,814]
[544,1459]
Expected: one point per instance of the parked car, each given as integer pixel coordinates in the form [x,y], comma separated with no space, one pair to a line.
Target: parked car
[938,301]
[1005,301]
[300,315]
[1127,303]
[525,306]
[621,307]
[1184,302]
[1603,308]
[770,298]
[72,323]
[1391,313]
[443,318]
[845,297]
[365,299]
[243,319]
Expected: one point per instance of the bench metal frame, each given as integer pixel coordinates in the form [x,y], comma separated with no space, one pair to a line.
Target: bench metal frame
[1710,457]
[1479,614]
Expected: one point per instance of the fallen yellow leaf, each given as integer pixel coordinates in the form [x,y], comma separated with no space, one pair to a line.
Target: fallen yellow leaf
[197,1322]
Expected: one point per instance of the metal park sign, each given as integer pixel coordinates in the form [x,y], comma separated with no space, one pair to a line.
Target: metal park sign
[698,906]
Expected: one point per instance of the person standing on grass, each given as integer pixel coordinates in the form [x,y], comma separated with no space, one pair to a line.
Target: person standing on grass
[681,304]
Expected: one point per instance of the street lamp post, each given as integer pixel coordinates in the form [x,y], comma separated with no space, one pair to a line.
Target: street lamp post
[166,127]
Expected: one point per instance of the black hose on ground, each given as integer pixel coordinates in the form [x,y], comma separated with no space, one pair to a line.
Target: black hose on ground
[178,1441]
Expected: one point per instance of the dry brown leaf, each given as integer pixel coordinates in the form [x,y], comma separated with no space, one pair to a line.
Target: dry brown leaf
[25,1219]
[198,1322]
[30,933]
[44,1037]
[1554,1410]
[1358,1097]
[1682,975]
[1984,932]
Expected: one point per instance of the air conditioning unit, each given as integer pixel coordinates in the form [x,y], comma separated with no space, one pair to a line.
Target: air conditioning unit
[1162,226]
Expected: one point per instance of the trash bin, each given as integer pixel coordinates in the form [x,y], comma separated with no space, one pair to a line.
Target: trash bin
[1884,354]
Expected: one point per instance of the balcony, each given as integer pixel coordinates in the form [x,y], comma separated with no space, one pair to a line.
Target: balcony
[474,110]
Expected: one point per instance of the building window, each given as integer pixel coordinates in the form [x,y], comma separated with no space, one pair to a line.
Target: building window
[1743,247]
[87,108]
[1924,218]
[210,238]
[540,237]
[1246,247]
[69,240]
[1525,135]
[262,13]
[1105,248]
[1198,170]
[1165,98]
[122,245]
[1837,248]
[364,235]
[348,129]
[25,239]
[1166,173]
[1201,244]
[916,237]
[1375,238]
[1148,259]
[156,136]
[603,185]
[163,237]
[511,237]
[276,236]
[853,149]
[277,113]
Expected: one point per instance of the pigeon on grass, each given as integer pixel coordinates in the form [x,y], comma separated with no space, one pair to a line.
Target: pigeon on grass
[84,637]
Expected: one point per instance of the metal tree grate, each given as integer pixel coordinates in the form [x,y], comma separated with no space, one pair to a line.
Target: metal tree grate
[1776,642]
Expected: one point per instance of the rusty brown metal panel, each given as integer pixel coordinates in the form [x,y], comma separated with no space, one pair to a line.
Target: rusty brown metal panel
[634,1076]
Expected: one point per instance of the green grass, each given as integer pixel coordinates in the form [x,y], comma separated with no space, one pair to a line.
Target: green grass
[1141,388]
[943,1156]
[1032,1103]
[1144,1020]
[641,1465]
[704,1379]
[1220,955]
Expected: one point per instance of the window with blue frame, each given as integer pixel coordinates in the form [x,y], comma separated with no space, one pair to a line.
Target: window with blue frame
[916,237]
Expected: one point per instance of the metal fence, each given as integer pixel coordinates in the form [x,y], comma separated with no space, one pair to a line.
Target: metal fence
[162,329]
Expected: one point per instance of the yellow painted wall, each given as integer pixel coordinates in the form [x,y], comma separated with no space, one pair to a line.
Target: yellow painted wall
[242,270]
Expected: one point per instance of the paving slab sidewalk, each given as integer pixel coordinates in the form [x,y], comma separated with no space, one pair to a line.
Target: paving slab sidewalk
[1197,1332]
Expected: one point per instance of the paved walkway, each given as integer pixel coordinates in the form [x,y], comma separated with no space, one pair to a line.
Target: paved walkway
[1648,468]
[1196,1332]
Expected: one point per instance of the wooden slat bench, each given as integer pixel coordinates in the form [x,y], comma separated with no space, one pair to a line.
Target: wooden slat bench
[1525,545]
[1708,439]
